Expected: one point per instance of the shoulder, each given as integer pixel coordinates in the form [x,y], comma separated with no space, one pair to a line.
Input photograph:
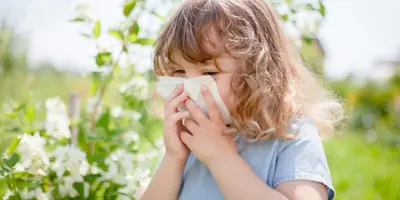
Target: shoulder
[302,157]
[303,131]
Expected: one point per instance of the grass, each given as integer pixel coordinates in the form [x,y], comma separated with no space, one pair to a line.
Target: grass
[363,170]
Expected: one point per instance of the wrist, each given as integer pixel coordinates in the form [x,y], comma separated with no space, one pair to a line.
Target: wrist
[178,160]
[224,160]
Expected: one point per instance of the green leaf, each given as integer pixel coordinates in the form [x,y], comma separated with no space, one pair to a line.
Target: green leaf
[13,146]
[77,19]
[23,175]
[103,58]
[104,120]
[91,178]
[132,38]
[94,83]
[158,16]
[85,35]
[145,41]
[322,9]
[285,17]
[129,7]
[134,29]
[14,159]
[307,40]
[80,188]
[30,113]
[116,33]
[97,29]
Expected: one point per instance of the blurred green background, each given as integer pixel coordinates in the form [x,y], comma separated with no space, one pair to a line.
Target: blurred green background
[364,159]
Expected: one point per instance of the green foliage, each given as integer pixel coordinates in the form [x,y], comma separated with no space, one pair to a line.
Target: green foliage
[363,170]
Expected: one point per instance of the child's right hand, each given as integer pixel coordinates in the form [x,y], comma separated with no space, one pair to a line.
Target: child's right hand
[173,125]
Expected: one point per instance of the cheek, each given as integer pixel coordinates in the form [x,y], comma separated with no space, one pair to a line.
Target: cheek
[225,90]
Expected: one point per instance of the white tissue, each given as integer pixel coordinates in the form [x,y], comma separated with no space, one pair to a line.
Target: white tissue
[166,85]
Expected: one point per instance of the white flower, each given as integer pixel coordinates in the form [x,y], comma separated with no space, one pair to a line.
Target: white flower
[134,115]
[26,194]
[128,191]
[119,162]
[138,85]
[72,159]
[117,111]
[57,121]
[84,11]
[37,194]
[33,155]
[67,188]
[7,195]
[130,137]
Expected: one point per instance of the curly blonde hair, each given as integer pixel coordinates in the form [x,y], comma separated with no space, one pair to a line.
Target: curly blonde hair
[272,84]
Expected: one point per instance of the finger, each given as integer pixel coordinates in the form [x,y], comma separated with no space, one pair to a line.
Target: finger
[196,112]
[192,126]
[178,90]
[212,107]
[186,138]
[172,106]
[178,116]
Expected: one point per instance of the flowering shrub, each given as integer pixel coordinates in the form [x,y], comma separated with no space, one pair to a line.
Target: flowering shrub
[43,164]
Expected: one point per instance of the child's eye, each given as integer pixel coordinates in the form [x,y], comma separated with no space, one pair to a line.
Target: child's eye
[210,73]
[180,71]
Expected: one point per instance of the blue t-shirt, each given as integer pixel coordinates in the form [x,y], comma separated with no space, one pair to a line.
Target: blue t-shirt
[274,161]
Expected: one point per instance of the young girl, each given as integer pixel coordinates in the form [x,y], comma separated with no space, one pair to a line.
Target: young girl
[272,149]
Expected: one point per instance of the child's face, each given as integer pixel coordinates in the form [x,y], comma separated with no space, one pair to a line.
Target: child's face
[222,75]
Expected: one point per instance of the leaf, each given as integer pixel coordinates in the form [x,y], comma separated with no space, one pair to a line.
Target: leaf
[14,160]
[307,40]
[13,146]
[285,17]
[85,35]
[129,7]
[132,38]
[91,178]
[94,83]
[30,113]
[145,41]
[103,58]
[158,16]
[23,175]
[77,19]
[322,9]
[134,29]
[104,120]
[116,33]
[80,188]
[97,29]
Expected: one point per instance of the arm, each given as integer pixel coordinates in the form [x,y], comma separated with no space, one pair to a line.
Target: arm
[166,182]
[237,181]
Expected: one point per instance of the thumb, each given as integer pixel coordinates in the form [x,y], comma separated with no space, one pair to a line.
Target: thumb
[186,138]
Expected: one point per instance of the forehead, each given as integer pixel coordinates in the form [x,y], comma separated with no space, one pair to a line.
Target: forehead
[211,46]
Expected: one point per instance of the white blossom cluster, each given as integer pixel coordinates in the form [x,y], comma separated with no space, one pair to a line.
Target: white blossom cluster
[70,163]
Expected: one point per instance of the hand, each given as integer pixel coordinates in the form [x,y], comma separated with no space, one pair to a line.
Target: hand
[175,148]
[207,140]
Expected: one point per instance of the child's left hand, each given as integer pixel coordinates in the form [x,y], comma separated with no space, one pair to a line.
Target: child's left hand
[207,140]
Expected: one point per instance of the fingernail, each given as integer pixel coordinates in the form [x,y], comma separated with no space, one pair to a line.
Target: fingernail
[204,88]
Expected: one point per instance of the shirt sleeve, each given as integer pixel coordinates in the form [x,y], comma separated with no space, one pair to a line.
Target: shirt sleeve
[303,158]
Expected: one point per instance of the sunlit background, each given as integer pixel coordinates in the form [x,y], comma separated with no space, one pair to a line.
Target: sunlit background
[96,57]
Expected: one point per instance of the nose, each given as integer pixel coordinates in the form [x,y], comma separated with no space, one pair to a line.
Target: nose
[192,74]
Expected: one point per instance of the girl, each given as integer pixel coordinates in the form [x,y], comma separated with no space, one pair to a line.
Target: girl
[272,150]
